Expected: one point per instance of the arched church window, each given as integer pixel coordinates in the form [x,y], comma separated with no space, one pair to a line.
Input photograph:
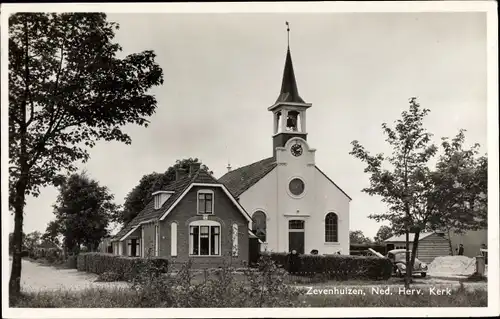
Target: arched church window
[259,226]
[331,228]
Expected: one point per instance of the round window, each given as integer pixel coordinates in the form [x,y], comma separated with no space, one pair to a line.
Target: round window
[296,186]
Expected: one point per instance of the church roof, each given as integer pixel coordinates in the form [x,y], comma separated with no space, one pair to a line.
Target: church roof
[239,180]
[178,187]
[289,91]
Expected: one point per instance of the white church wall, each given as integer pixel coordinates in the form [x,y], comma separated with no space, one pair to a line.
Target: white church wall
[262,196]
[272,196]
[330,198]
[293,207]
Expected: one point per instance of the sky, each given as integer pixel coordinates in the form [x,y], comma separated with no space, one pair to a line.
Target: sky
[222,72]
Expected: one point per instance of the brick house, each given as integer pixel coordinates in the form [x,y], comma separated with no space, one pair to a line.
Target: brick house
[195,217]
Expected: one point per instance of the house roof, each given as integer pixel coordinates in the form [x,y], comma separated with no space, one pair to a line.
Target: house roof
[178,187]
[239,180]
[289,91]
[402,238]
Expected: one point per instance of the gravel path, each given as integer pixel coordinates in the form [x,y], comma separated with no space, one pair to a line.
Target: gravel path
[36,277]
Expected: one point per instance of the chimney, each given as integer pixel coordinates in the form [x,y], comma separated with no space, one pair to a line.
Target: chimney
[193,168]
[180,173]
[229,167]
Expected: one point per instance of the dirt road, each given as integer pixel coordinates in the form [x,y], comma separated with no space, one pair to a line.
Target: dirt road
[37,277]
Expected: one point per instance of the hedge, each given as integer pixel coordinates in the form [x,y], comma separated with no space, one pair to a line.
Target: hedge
[71,262]
[336,266]
[127,268]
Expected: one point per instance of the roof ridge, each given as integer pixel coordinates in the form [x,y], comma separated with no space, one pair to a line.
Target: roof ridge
[207,174]
[248,165]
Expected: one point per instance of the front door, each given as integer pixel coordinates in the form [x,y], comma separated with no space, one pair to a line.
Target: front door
[296,236]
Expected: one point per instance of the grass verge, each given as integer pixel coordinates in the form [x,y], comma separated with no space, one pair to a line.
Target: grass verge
[459,297]
[127,298]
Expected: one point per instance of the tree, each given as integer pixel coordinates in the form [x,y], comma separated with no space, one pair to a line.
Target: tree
[83,210]
[402,185]
[32,240]
[383,233]
[140,195]
[462,187]
[357,237]
[67,89]
[53,232]
[415,194]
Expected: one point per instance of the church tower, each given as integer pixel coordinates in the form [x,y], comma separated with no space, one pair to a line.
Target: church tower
[289,110]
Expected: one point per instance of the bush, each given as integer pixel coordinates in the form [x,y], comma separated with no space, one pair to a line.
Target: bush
[221,287]
[108,276]
[340,267]
[127,268]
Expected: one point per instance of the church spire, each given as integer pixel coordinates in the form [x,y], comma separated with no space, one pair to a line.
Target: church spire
[289,91]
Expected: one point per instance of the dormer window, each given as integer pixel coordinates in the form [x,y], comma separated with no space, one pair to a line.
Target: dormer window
[205,202]
[160,197]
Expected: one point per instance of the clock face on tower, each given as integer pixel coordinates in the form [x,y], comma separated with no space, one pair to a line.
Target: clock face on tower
[296,150]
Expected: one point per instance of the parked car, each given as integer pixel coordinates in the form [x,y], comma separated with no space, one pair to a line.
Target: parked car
[398,258]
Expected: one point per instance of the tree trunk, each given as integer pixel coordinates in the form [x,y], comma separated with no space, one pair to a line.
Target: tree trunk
[409,268]
[21,184]
[15,275]
[407,259]
[407,242]
[449,243]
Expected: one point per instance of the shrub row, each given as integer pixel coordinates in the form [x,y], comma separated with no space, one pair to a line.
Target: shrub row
[71,262]
[126,268]
[335,266]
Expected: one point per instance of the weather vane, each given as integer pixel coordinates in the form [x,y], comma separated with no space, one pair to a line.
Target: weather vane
[288,31]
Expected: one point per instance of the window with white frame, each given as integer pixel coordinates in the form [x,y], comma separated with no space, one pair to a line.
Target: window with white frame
[157,201]
[204,238]
[259,226]
[331,228]
[133,247]
[129,247]
[205,202]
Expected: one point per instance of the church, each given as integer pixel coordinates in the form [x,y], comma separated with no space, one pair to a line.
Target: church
[293,204]
[284,200]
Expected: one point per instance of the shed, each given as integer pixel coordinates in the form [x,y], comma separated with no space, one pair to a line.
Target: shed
[472,240]
[430,245]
